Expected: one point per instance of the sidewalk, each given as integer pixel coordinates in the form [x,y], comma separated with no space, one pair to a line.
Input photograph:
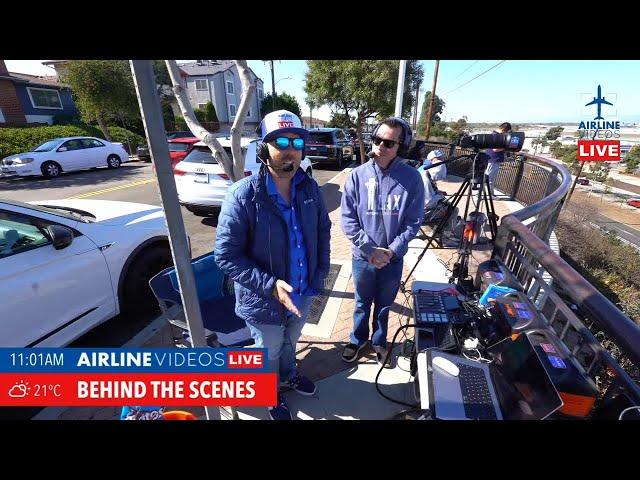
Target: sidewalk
[345,390]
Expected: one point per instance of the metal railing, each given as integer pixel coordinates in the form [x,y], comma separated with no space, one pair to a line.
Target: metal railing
[522,247]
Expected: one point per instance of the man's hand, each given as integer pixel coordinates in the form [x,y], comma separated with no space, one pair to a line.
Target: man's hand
[281,291]
[380,257]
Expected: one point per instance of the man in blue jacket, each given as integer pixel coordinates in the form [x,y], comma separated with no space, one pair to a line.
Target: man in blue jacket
[382,209]
[273,240]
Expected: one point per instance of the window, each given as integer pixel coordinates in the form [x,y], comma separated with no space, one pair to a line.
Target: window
[202,105]
[18,234]
[249,113]
[91,143]
[72,145]
[45,98]
[230,90]
[201,84]
[232,110]
[260,93]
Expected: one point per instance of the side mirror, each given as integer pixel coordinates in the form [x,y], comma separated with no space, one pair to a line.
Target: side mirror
[62,149]
[61,237]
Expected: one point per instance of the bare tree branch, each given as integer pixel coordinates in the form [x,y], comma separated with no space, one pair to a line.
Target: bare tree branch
[194,125]
[248,89]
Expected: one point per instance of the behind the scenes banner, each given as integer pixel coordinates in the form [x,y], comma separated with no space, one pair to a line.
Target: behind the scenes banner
[77,377]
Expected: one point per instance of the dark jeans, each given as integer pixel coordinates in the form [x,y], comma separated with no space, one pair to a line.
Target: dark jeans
[373,285]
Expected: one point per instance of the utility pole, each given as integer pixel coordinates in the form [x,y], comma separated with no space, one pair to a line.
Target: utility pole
[273,86]
[145,84]
[400,90]
[415,110]
[431,100]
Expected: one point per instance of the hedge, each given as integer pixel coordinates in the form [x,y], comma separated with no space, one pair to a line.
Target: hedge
[24,139]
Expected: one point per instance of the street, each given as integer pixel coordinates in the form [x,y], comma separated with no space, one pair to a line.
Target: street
[133,182]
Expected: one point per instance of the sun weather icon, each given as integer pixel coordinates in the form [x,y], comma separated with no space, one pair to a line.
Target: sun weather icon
[20,390]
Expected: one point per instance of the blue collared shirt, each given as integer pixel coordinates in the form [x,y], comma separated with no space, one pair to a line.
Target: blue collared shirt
[297,251]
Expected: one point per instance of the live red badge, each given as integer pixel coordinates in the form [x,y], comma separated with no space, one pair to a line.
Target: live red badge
[598,150]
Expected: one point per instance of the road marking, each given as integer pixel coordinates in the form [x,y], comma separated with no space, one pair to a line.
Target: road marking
[113,189]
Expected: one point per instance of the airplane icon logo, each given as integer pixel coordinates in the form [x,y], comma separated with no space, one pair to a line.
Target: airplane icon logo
[599,101]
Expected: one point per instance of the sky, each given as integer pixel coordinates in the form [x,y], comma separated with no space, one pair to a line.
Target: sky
[517,91]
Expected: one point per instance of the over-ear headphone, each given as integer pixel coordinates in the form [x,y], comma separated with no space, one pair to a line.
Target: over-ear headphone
[407,135]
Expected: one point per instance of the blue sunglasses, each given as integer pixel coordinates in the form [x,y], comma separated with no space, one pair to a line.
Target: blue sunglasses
[282,143]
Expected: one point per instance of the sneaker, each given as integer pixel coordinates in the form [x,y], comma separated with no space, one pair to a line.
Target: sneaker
[381,354]
[351,351]
[301,384]
[280,411]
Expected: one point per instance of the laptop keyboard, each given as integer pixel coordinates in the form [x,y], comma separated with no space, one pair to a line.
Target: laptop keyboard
[475,393]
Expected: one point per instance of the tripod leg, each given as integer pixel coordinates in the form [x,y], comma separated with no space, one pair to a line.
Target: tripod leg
[491,211]
[439,228]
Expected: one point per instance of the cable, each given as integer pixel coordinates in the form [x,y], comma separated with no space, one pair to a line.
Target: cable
[467,69]
[387,359]
[477,76]
[635,407]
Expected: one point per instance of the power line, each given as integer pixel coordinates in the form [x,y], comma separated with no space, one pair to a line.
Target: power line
[467,69]
[477,76]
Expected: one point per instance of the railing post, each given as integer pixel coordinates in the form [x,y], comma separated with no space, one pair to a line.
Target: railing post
[516,185]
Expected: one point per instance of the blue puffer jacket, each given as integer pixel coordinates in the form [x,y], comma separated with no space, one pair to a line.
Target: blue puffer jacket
[252,244]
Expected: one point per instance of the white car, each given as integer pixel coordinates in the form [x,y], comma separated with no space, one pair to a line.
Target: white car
[201,181]
[65,155]
[68,265]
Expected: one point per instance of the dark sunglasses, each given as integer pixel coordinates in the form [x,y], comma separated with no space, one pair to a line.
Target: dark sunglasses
[387,143]
[282,143]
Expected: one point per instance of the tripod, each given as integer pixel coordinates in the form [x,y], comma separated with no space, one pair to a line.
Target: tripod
[477,179]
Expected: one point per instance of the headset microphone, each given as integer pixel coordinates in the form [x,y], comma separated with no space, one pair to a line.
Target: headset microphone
[371,154]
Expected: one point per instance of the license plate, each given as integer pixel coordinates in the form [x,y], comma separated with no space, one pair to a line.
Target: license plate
[313,149]
[201,178]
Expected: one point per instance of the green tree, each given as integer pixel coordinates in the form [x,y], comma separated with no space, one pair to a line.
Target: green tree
[167,116]
[457,129]
[210,114]
[438,107]
[366,88]
[553,133]
[284,101]
[556,149]
[632,160]
[340,120]
[103,90]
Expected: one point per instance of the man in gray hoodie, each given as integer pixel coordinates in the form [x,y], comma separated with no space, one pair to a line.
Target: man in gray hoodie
[382,209]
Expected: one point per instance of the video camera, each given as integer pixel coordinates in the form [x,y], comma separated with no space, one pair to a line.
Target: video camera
[511,141]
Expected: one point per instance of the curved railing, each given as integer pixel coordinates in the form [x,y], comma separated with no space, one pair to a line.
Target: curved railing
[521,246]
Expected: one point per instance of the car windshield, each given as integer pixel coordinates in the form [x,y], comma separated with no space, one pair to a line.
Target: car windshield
[47,146]
[320,137]
[65,212]
[178,147]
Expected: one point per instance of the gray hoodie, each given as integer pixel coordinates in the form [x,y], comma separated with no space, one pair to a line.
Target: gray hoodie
[382,208]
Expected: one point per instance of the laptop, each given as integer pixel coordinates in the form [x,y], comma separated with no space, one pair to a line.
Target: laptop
[515,386]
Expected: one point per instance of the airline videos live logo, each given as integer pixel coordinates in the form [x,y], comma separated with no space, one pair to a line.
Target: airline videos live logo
[598,150]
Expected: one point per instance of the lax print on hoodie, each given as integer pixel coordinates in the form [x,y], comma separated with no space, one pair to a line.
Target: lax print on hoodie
[382,208]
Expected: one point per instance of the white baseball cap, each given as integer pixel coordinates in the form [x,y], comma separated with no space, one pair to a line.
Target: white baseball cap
[435,154]
[281,121]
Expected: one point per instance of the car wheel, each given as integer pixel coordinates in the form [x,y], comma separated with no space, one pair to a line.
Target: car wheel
[339,161]
[51,169]
[137,296]
[113,161]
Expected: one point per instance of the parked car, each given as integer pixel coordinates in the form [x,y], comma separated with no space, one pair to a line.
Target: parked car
[201,181]
[328,145]
[634,202]
[179,148]
[181,134]
[142,152]
[582,181]
[68,265]
[65,155]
